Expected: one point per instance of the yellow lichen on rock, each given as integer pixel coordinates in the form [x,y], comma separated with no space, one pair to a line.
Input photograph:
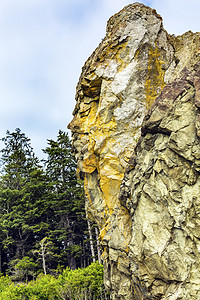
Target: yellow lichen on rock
[154,82]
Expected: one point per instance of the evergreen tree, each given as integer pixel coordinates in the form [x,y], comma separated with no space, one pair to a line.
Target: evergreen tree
[17,158]
[67,201]
[23,193]
[40,207]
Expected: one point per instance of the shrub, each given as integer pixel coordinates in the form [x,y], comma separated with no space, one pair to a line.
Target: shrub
[5,282]
[79,284]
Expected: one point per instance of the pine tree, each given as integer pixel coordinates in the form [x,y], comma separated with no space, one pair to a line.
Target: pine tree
[17,158]
[39,204]
[23,193]
[67,201]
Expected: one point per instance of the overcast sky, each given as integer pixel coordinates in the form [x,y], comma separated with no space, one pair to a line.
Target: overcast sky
[43,46]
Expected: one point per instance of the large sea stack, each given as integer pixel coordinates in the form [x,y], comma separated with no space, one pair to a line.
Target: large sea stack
[136,137]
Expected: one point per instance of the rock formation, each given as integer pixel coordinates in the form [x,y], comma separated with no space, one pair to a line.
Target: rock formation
[136,137]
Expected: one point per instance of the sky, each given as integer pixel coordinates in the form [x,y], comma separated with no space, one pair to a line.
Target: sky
[43,46]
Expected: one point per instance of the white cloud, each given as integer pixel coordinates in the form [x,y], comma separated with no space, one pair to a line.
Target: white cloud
[44,44]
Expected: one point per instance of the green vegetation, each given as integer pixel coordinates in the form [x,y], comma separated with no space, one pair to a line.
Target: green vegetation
[79,284]
[43,226]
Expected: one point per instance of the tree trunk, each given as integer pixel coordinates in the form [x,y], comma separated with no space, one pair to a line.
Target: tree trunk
[91,241]
[44,265]
[0,260]
[71,259]
[43,258]
[98,245]
[70,242]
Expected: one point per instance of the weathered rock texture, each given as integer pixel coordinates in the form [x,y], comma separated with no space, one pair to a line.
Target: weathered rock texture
[136,134]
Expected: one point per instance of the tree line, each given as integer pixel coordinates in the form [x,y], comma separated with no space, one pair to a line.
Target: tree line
[43,225]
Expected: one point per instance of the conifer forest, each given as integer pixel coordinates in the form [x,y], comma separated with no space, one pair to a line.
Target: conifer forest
[48,248]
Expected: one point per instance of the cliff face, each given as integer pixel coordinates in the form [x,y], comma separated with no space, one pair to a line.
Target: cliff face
[136,131]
